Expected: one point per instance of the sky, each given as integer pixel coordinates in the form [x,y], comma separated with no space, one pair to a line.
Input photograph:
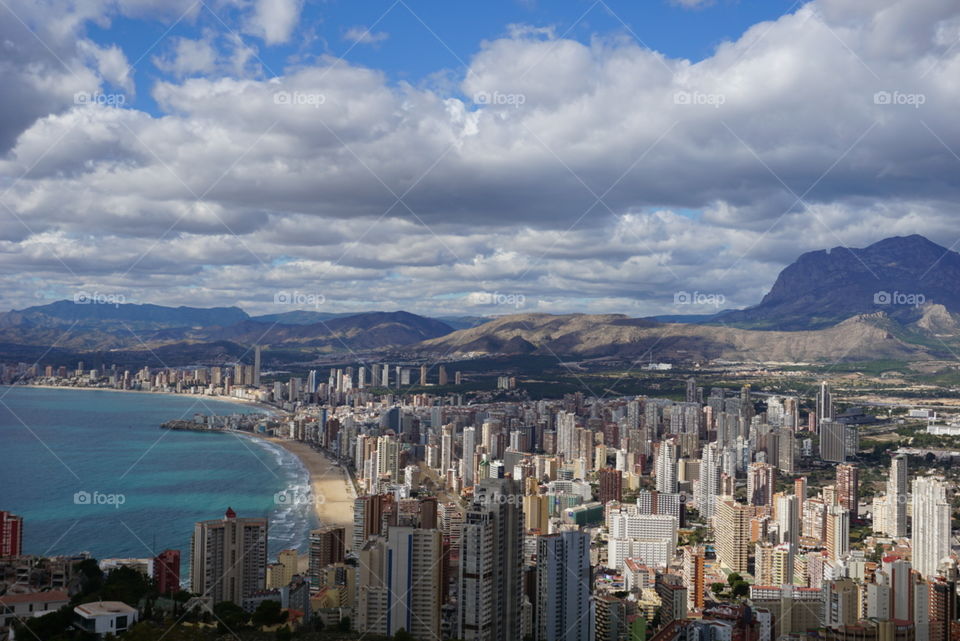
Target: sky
[453,158]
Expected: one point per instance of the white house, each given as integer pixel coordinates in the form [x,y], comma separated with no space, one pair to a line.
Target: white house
[105,617]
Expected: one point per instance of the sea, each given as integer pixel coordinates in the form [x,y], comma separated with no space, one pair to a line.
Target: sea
[92,471]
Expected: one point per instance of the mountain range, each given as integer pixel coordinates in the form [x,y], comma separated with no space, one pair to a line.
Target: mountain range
[898,298]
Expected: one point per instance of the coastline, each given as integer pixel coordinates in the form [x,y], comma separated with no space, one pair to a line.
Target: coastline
[330,484]
[267,409]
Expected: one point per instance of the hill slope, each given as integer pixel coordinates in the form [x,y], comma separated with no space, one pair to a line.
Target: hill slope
[864,337]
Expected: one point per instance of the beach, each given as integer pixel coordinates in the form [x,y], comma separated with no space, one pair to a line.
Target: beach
[329,482]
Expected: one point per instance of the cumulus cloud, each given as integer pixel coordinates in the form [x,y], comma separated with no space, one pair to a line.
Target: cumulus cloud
[274,20]
[363,36]
[597,176]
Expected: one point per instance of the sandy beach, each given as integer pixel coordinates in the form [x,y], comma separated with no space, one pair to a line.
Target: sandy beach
[329,482]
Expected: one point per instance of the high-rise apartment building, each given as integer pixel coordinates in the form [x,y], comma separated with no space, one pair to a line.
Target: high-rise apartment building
[399,584]
[166,571]
[228,559]
[838,532]
[930,534]
[563,609]
[732,532]
[761,482]
[327,546]
[666,467]
[708,488]
[824,403]
[491,564]
[693,575]
[11,534]
[848,488]
[611,485]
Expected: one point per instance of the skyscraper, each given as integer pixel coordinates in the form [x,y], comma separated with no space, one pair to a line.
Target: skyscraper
[896,507]
[824,403]
[326,548]
[930,535]
[761,482]
[469,447]
[833,441]
[11,534]
[732,528]
[399,583]
[611,485]
[256,366]
[228,559]
[491,564]
[838,532]
[848,488]
[709,487]
[666,467]
[563,611]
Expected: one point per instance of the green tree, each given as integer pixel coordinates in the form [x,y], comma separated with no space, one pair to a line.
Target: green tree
[268,613]
[741,589]
[229,615]
[403,635]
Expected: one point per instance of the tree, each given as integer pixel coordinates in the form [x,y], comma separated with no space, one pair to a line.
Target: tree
[717,588]
[229,615]
[741,589]
[403,635]
[268,613]
[734,578]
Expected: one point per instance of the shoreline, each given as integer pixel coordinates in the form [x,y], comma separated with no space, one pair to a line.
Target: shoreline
[330,485]
[268,409]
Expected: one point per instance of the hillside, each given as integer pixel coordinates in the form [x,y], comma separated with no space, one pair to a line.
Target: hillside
[863,337]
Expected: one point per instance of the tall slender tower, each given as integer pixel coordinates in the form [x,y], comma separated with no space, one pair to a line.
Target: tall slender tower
[666,467]
[848,488]
[824,403]
[563,611]
[930,537]
[469,447]
[491,564]
[897,497]
[709,487]
[256,366]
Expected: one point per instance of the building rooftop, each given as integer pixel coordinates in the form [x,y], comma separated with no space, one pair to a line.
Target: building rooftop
[102,608]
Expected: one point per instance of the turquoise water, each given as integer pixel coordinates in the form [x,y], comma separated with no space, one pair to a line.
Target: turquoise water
[146,486]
